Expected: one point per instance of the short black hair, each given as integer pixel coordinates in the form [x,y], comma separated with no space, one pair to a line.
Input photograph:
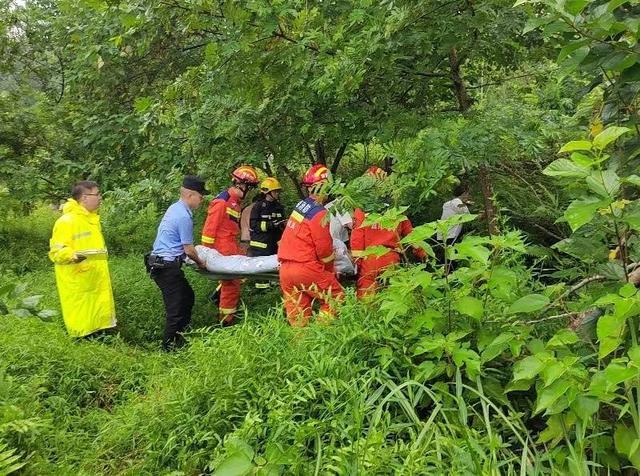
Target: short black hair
[81,187]
[461,189]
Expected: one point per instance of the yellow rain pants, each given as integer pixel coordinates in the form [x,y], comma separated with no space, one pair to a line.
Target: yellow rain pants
[85,287]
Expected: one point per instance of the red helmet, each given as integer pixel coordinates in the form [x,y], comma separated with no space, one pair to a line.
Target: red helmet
[245,174]
[315,175]
[376,172]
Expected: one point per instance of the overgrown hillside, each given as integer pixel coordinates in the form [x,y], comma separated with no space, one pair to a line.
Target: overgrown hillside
[522,360]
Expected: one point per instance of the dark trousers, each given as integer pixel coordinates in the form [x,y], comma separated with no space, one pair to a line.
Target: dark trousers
[178,300]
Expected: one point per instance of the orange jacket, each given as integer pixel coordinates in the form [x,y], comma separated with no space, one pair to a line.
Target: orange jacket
[223,219]
[372,235]
[306,238]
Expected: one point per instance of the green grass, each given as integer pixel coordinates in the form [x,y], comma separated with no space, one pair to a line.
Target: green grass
[139,308]
[310,401]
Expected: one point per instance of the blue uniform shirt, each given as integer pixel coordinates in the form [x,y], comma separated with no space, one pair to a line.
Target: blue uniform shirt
[175,230]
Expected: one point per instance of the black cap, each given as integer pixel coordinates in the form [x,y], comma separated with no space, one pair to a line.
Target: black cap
[195,183]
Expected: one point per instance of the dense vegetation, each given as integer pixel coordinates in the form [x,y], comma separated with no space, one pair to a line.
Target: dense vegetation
[524,360]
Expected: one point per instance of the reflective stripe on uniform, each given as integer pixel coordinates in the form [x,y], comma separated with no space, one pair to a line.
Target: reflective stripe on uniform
[263,225]
[207,239]
[80,235]
[233,212]
[328,259]
[297,216]
[357,253]
[257,244]
[227,310]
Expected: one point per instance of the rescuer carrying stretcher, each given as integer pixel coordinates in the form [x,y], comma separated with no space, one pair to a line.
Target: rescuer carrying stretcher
[306,255]
[221,230]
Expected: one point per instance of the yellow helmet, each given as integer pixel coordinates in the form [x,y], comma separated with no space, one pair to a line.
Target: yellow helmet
[270,184]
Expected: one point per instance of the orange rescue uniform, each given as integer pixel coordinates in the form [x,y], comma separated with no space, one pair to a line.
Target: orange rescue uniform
[370,267]
[306,263]
[220,232]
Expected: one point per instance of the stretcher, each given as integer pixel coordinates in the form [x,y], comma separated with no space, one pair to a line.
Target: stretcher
[264,268]
[219,276]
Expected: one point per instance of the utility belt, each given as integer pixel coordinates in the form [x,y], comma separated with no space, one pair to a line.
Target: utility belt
[153,262]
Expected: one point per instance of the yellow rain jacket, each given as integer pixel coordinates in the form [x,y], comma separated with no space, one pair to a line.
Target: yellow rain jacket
[85,287]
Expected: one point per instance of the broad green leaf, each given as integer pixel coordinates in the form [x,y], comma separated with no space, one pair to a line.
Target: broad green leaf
[610,329]
[21,312]
[631,217]
[565,168]
[530,366]
[31,302]
[625,440]
[497,346]
[557,425]
[533,23]
[570,48]
[632,179]
[571,62]
[617,373]
[47,314]
[471,247]
[529,303]
[605,183]
[609,135]
[552,372]
[627,290]
[582,145]
[562,338]
[519,385]
[470,306]
[581,211]
[582,160]
[585,406]
[550,395]
[420,233]
[237,464]
[575,6]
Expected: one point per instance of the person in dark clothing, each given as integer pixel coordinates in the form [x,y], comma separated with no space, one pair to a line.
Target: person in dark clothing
[174,241]
[267,222]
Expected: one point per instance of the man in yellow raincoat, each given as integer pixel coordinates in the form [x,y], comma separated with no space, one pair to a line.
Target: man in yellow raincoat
[82,274]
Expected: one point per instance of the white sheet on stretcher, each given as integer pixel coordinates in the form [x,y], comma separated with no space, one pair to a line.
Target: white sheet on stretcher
[245,265]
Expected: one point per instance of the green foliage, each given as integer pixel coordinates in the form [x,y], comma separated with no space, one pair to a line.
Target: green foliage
[15,300]
[470,371]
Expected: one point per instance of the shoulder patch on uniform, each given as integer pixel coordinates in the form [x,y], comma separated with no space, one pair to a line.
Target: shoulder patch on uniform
[224,195]
[308,208]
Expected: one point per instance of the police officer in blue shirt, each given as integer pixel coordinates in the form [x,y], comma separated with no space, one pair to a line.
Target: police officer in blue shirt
[174,241]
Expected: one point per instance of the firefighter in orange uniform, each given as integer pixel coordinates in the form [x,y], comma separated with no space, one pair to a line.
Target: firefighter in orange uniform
[370,267]
[306,255]
[221,230]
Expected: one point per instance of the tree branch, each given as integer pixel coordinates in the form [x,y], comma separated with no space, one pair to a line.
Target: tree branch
[62,85]
[338,158]
[292,176]
[309,153]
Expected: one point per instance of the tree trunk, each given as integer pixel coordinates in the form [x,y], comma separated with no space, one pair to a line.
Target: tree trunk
[321,157]
[464,100]
[296,180]
[464,104]
[338,158]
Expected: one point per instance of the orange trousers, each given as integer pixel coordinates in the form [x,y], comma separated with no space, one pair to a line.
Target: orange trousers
[369,270]
[229,290]
[304,283]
